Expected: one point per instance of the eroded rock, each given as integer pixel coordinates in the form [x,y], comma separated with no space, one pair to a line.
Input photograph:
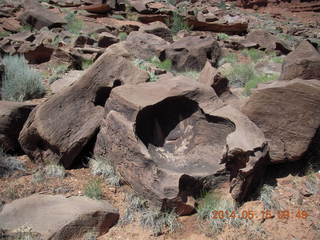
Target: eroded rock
[58,129]
[167,138]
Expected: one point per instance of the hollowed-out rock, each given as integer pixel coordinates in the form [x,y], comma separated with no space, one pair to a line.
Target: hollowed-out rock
[166,138]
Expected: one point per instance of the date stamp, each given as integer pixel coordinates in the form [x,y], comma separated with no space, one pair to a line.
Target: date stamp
[247,214]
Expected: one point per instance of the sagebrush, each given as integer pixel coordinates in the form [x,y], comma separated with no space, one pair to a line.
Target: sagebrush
[20,81]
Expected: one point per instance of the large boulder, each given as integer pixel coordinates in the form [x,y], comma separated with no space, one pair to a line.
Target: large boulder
[12,118]
[170,137]
[57,217]
[267,41]
[192,53]
[58,129]
[144,45]
[303,62]
[39,17]
[288,113]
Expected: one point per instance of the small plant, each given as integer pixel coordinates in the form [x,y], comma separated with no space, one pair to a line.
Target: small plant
[58,71]
[240,74]
[191,74]
[50,171]
[157,221]
[20,81]
[229,58]
[254,54]
[214,201]
[222,36]
[54,171]
[4,34]
[90,236]
[122,36]
[93,189]
[103,167]
[277,59]
[179,24]
[86,63]
[256,79]
[9,164]
[165,64]
[266,197]
[118,17]
[74,25]
[144,65]
[222,4]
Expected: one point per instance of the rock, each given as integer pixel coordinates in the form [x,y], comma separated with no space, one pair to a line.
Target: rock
[289,115]
[192,53]
[67,80]
[82,41]
[39,17]
[11,25]
[144,45]
[67,3]
[106,39]
[211,77]
[1,73]
[167,138]
[12,118]
[226,24]
[96,8]
[139,5]
[303,62]
[267,41]
[159,29]
[36,54]
[76,112]
[56,217]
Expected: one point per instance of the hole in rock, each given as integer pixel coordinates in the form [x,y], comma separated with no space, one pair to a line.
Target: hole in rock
[81,160]
[103,93]
[180,137]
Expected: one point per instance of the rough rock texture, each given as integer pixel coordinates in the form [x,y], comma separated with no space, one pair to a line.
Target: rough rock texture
[303,62]
[59,128]
[106,39]
[192,53]
[12,117]
[267,41]
[289,115]
[159,29]
[211,77]
[144,45]
[39,17]
[166,138]
[226,24]
[57,217]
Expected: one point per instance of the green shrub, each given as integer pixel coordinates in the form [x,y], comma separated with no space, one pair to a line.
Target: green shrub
[240,74]
[86,63]
[165,64]
[118,17]
[103,167]
[20,81]
[122,36]
[254,54]
[222,36]
[93,189]
[256,79]
[58,71]
[179,24]
[74,25]
[4,34]
[144,65]
[229,58]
